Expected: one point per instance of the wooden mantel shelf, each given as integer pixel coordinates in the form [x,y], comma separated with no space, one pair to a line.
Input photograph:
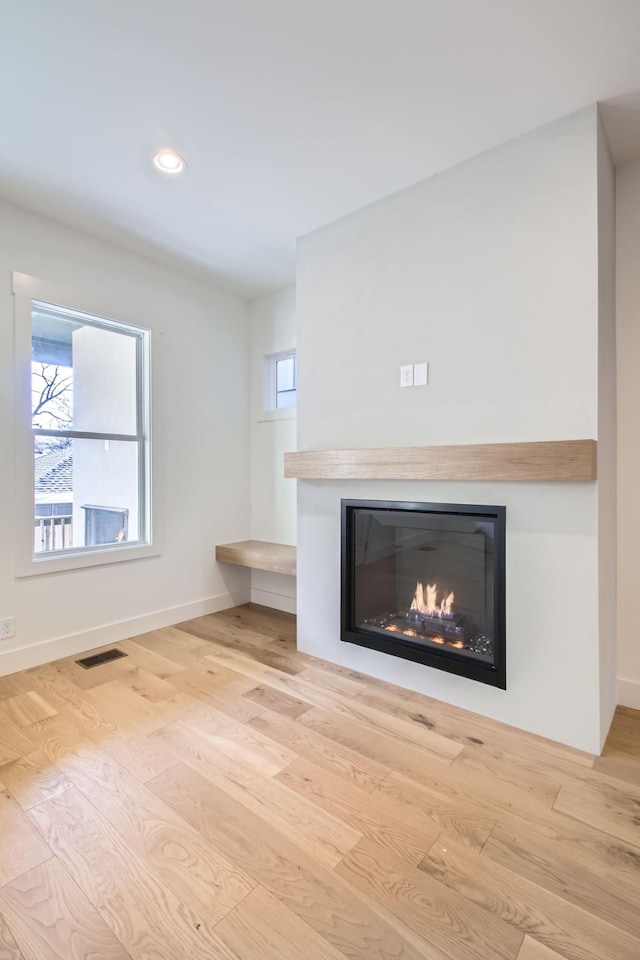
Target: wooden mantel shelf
[260,555]
[559,460]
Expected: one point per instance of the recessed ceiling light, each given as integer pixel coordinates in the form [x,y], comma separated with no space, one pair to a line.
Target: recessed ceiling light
[168,161]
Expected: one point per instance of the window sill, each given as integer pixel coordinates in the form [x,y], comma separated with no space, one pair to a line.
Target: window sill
[266,416]
[59,563]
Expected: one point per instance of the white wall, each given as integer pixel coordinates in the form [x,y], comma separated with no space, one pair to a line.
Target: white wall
[628,331]
[607,435]
[273,433]
[201,446]
[490,273]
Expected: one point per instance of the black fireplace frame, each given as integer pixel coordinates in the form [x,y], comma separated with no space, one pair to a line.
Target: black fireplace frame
[495,675]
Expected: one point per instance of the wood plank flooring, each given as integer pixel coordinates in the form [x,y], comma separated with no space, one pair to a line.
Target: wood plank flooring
[218,795]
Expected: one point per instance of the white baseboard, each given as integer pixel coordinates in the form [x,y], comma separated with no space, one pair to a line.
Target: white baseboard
[48,650]
[275,600]
[629,693]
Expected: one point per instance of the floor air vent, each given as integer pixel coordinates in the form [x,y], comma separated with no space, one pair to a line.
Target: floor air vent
[99,658]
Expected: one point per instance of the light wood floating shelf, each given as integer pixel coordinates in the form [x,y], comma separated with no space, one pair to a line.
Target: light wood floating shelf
[565,460]
[260,555]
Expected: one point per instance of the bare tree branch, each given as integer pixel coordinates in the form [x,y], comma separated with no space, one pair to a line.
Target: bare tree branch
[51,397]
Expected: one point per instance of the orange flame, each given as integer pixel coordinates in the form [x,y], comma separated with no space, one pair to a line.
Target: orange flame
[425,600]
[394,628]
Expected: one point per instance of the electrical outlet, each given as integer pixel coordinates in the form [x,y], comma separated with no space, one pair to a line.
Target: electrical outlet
[7,628]
[406,375]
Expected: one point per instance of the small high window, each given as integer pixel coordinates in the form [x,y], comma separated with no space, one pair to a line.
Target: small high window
[280,380]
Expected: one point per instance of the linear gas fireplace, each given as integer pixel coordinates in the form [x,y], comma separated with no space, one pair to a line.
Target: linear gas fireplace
[425,581]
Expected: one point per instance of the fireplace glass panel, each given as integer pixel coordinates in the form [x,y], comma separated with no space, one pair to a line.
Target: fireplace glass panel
[426,582]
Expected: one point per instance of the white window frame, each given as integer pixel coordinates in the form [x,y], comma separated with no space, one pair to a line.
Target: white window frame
[26,290]
[269,385]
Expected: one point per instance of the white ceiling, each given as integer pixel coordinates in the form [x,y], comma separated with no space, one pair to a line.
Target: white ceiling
[290,113]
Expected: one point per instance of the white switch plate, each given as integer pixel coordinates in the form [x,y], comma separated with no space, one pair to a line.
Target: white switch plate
[420,374]
[406,375]
[7,628]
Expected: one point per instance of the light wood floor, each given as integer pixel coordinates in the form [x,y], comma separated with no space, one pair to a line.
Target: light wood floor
[218,795]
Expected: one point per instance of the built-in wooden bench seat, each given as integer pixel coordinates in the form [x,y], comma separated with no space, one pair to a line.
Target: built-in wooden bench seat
[260,555]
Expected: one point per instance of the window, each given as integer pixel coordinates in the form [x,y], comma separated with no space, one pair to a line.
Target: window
[88,428]
[286,385]
[89,412]
[280,380]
